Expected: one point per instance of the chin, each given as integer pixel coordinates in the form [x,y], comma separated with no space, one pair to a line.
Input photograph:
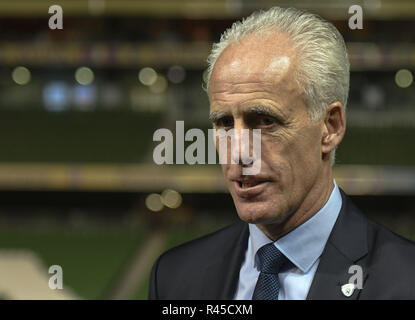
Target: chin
[258,213]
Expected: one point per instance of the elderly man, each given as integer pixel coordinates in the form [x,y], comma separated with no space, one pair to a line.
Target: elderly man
[286,72]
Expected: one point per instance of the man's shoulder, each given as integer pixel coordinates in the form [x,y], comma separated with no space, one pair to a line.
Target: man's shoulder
[205,247]
[390,264]
[380,239]
[179,272]
[388,244]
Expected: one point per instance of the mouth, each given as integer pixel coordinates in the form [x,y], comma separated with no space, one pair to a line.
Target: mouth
[249,189]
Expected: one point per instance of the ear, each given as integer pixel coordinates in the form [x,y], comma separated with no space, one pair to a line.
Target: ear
[334,128]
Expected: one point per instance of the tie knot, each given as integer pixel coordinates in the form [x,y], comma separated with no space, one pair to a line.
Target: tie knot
[270,259]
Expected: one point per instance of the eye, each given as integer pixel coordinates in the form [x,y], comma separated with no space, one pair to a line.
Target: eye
[225,122]
[267,121]
[261,120]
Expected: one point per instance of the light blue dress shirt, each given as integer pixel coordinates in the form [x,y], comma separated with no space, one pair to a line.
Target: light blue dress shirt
[303,246]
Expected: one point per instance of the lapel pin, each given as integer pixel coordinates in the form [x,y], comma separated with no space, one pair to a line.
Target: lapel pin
[348,289]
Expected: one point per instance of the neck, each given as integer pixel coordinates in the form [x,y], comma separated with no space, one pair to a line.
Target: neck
[313,202]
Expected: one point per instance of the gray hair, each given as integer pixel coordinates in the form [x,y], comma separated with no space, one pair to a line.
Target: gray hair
[323,69]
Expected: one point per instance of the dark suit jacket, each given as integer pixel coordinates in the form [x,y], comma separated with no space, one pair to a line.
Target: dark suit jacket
[208,268]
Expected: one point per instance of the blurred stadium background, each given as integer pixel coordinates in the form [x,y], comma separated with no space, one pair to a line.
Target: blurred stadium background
[79,106]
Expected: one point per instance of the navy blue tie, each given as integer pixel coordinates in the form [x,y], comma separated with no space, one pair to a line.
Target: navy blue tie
[270,262]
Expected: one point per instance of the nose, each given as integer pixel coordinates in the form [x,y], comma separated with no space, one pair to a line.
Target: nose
[241,146]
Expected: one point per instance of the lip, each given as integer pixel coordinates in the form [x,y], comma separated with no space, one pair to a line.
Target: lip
[250,192]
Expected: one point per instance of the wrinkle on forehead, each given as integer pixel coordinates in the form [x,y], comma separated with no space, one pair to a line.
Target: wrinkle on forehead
[243,87]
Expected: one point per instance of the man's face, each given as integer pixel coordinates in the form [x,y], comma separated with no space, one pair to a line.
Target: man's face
[253,86]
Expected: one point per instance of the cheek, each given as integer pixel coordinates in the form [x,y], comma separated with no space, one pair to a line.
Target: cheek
[309,145]
[275,151]
[225,169]
[292,152]
[305,159]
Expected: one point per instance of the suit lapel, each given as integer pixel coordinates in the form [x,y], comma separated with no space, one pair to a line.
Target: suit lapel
[346,246]
[221,277]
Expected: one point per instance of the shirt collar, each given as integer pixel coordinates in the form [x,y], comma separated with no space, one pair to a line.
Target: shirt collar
[304,245]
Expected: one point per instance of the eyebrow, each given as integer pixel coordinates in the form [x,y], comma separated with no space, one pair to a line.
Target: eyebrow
[259,110]
[262,110]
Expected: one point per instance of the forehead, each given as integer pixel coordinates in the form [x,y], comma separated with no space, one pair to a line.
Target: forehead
[264,58]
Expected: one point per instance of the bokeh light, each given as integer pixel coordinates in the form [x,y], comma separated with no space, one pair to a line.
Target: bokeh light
[171,198]
[111,96]
[56,96]
[176,74]
[160,85]
[84,97]
[21,75]
[147,76]
[84,76]
[404,78]
[154,203]
[373,96]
